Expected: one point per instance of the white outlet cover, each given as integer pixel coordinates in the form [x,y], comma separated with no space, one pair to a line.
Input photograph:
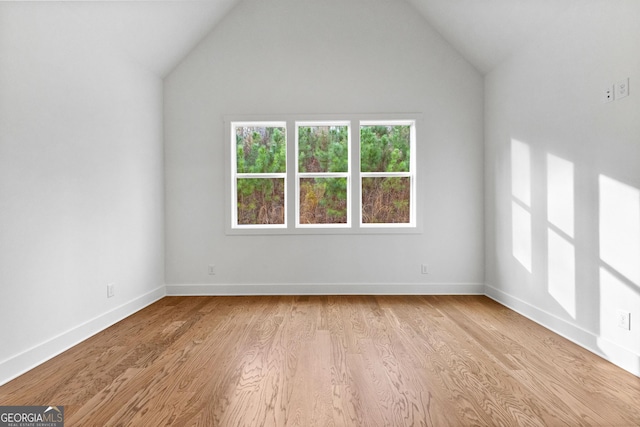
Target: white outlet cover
[622,89]
[624,320]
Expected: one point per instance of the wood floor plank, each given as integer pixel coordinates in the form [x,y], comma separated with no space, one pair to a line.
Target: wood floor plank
[330,361]
[496,372]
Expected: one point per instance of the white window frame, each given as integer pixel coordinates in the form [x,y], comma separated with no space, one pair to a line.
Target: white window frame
[411,174]
[292,175]
[300,175]
[236,175]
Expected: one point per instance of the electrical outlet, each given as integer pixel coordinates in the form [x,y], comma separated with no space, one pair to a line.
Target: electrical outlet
[212,269]
[608,94]
[622,89]
[624,320]
[424,269]
[111,291]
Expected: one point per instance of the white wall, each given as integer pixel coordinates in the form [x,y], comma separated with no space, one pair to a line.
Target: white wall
[81,187]
[582,153]
[286,56]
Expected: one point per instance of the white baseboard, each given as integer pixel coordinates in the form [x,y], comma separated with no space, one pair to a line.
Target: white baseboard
[325,289]
[29,359]
[606,349]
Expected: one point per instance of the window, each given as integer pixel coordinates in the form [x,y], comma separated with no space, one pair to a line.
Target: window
[386,172]
[260,174]
[344,174]
[322,153]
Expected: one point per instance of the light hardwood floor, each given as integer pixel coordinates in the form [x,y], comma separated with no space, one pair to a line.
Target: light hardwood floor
[330,360]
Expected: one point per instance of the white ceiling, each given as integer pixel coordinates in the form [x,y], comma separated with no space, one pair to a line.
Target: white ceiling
[160,33]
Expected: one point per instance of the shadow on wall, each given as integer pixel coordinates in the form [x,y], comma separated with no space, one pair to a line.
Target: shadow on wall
[618,283]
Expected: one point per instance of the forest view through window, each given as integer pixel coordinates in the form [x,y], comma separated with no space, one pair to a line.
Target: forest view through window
[323,173]
[341,174]
[385,170]
[260,170]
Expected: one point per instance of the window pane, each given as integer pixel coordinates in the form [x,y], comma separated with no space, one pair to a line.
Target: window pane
[386,200]
[323,201]
[385,148]
[261,149]
[260,200]
[323,149]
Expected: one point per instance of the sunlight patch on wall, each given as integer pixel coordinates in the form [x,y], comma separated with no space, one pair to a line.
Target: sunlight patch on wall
[560,204]
[521,239]
[620,228]
[521,234]
[561,258]
[561,271]
[521,171]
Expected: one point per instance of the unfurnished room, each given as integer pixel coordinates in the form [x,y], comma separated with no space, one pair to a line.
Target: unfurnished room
[320,212]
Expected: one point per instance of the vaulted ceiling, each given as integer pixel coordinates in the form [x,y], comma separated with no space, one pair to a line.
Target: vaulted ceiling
[160,33]
[157,34]
[486,32]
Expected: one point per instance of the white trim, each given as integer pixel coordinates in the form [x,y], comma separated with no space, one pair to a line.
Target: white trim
[385,174]
[620,356]
[323,122]
[20,363]
[259,124]
[325,289]
[274,175]
[235,175]
[354,225]
[384,122]
[323,174]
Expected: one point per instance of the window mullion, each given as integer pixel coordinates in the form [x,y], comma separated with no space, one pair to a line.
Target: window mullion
[323,174]
[291,196]
[356,184]
[385,174]
[261,175]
